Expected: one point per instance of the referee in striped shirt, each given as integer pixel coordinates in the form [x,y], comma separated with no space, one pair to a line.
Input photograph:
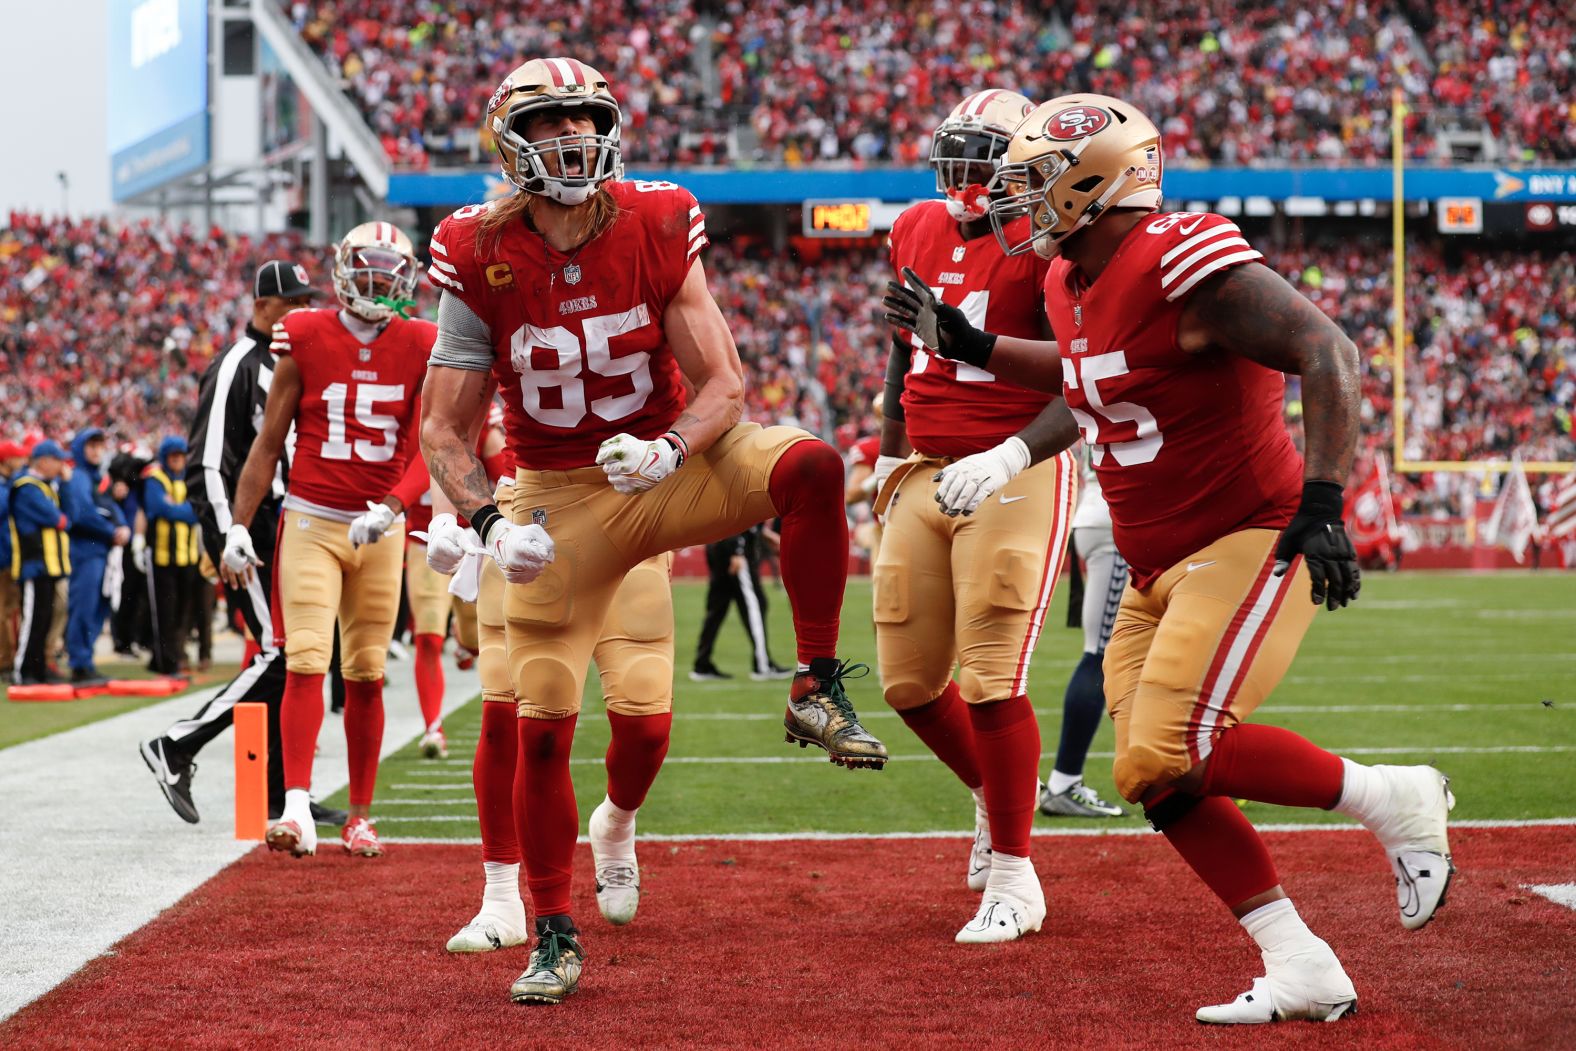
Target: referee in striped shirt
[230,410]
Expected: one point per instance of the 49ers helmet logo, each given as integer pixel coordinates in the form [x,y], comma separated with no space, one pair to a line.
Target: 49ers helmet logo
[1076,123]
[499,95]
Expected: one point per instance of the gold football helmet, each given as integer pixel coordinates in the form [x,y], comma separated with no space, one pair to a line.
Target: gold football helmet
[1070,160]
[969,145]
[375,270]
[566,168]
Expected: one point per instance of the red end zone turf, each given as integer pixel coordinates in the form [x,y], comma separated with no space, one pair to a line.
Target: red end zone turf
[829,943]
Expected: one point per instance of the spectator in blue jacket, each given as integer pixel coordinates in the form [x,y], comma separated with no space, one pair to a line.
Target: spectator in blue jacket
[12,459]
[97,527]
[40,555]
[172,555]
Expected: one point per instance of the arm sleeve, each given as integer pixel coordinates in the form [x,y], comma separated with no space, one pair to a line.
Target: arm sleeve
[32,509]
[464,340]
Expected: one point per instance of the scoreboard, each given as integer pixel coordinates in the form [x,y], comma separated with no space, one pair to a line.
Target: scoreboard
[835,218]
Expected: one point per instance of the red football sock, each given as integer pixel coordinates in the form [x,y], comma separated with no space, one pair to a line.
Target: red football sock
[1007,741]
[1270,765]
[1223,847]
[943,724]
[493,776]
[363,737]
[814,543]
[429,678]
[640,743]
[545,815]
[300,719]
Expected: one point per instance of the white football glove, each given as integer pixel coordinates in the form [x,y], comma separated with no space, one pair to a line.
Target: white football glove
[633,466]
[883,469]
[521,551]
[139,551]
[447,543]
[239,555]
[370,527]
[970,481]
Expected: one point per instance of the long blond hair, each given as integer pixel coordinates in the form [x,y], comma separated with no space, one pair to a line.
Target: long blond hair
[518,205]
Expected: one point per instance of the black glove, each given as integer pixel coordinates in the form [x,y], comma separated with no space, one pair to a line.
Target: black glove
[939,326]
[1318,535]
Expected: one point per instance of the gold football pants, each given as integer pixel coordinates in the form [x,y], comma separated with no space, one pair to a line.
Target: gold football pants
[322,577]
[427,590]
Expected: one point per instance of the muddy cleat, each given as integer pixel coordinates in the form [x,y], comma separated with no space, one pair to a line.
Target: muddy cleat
[360,839]
[820,713]
[173,770]
[1411,827]
[554,971]
[1079,800]
[1309,985]
[1013,904]
[617,872]
[497,926]
[288,836]
[434,745]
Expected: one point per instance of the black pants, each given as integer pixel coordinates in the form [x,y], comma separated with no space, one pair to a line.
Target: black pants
[129,624]
[38,609]
[742,589]
[263,680]
[172,590]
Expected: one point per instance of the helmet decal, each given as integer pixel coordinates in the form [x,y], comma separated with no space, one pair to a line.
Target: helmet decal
[1076,123]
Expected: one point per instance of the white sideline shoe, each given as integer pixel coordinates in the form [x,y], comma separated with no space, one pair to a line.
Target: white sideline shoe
[498,926]
[1309,986]
[979,854]
[617,872]
[1413,833]
[1012,906]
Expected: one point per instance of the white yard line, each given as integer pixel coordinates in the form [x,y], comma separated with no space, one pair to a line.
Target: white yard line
[90,851]
[1559,893]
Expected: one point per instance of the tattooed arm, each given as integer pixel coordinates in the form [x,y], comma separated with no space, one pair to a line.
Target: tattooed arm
[707,356]
[1251,311]
[453,405]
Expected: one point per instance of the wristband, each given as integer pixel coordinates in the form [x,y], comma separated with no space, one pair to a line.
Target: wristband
[485,518]
[975,349]
[680,446]
[1322,500]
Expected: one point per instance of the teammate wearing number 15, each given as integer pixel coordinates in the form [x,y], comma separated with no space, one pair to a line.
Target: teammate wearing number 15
[1171,342]
[584,296]
[349,381]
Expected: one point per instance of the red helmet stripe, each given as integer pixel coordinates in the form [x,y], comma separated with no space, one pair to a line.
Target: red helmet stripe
[979,102]
[564,75]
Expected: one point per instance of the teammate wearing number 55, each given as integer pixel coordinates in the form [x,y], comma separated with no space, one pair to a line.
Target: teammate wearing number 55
[349,381]
[584,295]
[1171,341]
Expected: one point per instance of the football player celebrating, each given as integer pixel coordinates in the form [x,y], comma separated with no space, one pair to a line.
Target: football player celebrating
[971,589]
[585,296]
[349,381]
[1173,339]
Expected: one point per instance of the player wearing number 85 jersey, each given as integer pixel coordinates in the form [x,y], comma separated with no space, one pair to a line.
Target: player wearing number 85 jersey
[585,297]
[1171,339]
[349,381]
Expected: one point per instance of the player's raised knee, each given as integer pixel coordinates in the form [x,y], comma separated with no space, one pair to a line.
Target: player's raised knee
[1145,766]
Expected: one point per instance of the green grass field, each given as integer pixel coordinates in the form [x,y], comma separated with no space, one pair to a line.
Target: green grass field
[29,720]
[1476,674]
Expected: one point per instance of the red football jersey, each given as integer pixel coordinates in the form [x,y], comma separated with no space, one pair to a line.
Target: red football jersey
[356,423]
[1188,447]
[953,409]
[579,350]
[865,451]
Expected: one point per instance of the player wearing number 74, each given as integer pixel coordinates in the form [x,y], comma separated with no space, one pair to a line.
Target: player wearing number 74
[1171,342]
[348,380]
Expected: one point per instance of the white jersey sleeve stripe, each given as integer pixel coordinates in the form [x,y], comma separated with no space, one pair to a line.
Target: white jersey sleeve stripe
[437,247]
[1216,264]
[1198,239]
[447,268]
[1225,244]
[695,212]
[444,279]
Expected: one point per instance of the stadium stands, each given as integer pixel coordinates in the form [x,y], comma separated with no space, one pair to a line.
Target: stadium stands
[864,81]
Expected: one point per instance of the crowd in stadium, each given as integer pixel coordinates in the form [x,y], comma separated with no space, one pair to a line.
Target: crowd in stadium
[110,324]
[865,81]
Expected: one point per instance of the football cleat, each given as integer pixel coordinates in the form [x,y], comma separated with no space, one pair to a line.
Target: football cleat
[1309,985]
[498,926]
[1079,800]
[979,853]
[820,713]
[434,745]
[554,971]
[173,771]
[1413,833]
[1009,909]
[290,837]
[464,659]
[617,872]
[360,839]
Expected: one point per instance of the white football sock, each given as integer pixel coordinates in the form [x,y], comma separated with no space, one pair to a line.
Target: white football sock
[298,806]
[1061,782]
[620,823]
[1277,928]
[1008,873]
[980,816]
[503,883]
[1364,793]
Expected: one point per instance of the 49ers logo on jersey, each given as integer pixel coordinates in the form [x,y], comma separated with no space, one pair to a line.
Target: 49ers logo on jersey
[1076,123]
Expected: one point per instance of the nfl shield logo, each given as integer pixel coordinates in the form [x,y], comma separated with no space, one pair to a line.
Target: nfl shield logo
[572,273]
[957,254]
[539,516]
[1078,314]
[366,354]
